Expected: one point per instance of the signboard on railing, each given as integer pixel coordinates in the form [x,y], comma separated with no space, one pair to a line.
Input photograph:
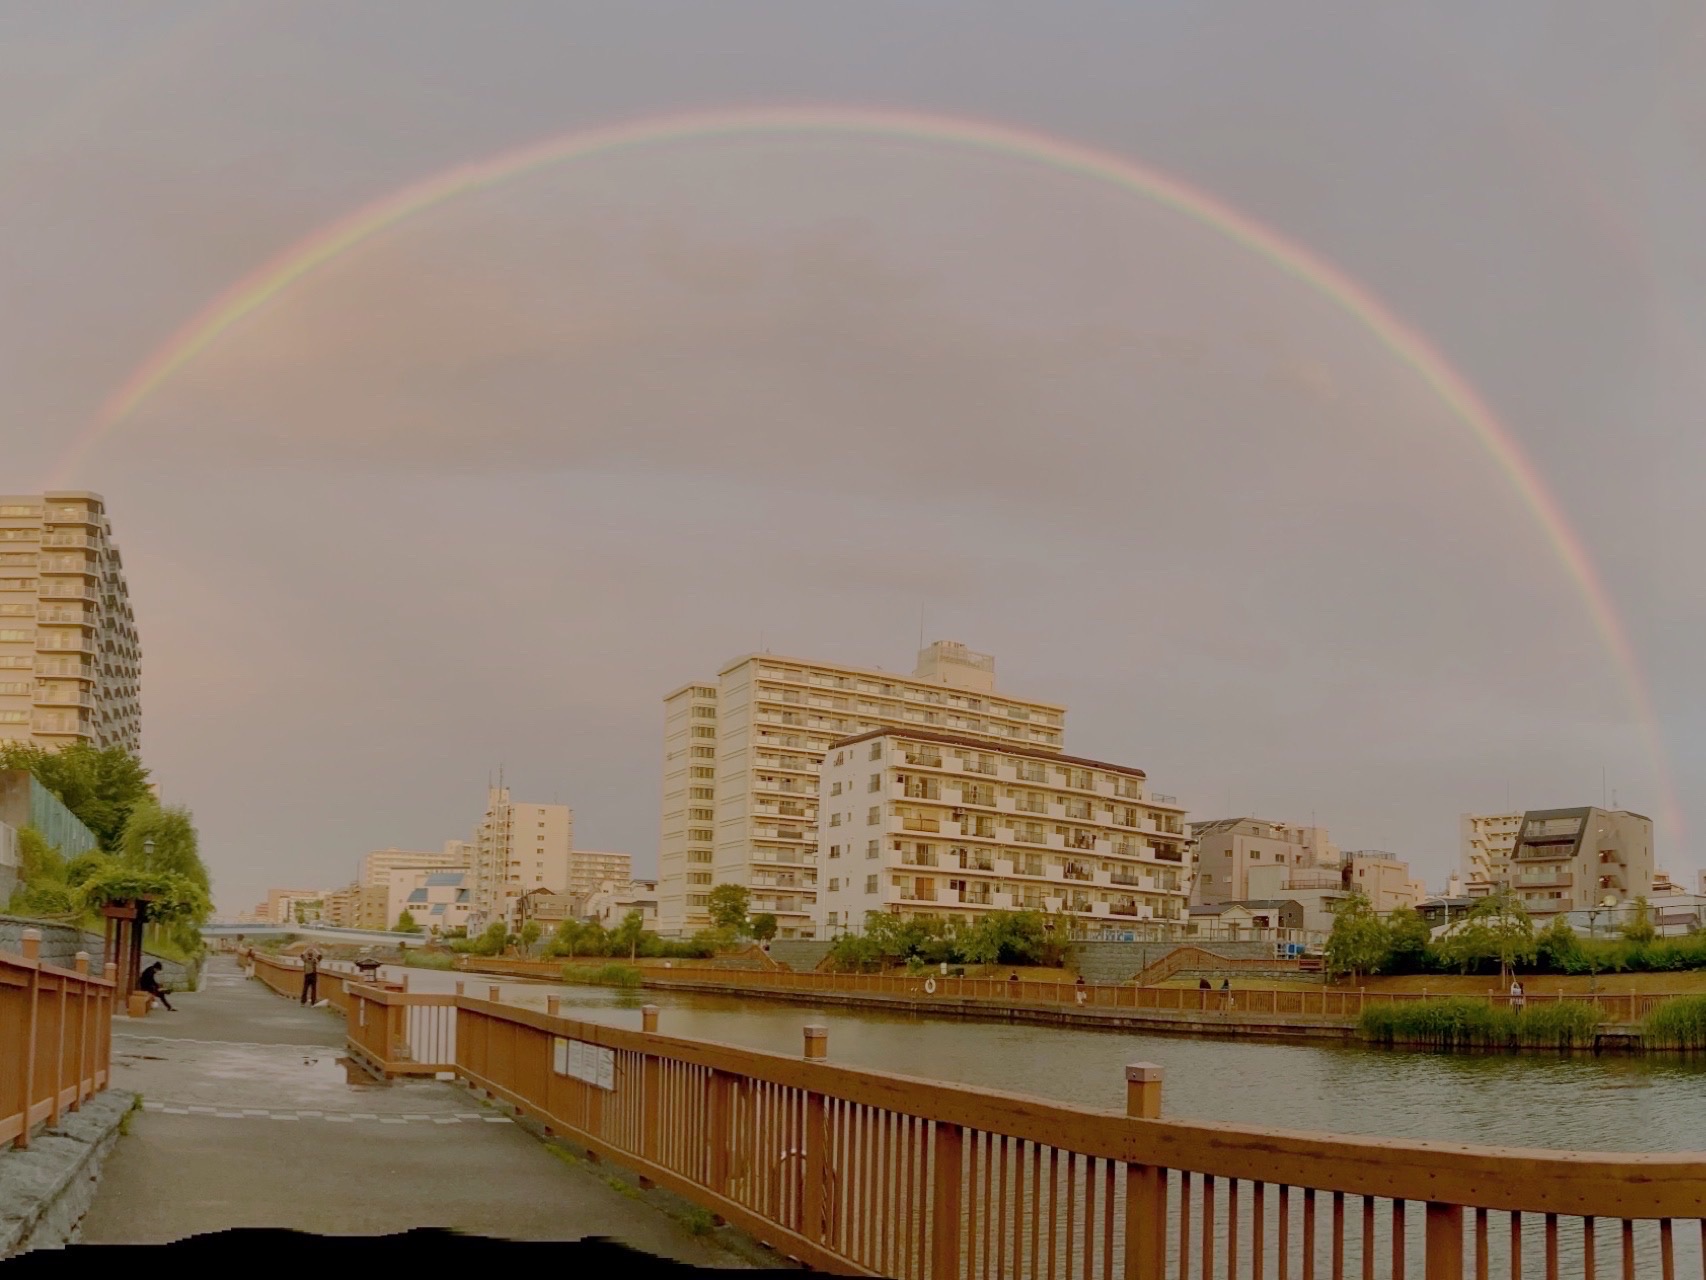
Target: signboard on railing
[589,1063]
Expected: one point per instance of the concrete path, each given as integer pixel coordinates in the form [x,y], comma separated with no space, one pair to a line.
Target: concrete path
[251,1118]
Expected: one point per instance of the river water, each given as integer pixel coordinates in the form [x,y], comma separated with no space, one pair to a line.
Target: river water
[1611,1103]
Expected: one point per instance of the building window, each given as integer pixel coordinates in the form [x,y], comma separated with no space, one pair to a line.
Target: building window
[871,849]
[876,783]
[835,788]
[834,886]
[874,815]
[877,749]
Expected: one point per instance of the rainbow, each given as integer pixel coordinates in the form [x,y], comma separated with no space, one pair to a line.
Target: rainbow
[307,256]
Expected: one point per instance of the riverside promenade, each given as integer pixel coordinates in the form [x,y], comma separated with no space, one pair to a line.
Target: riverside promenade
[252,1117]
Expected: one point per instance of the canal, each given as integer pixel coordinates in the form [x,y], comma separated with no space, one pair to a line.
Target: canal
[1612,1103]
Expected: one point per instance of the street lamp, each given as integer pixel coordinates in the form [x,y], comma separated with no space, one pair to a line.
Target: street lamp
[1605,904]
[148,851]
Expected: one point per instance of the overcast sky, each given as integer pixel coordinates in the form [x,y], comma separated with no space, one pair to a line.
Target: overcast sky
[480,492]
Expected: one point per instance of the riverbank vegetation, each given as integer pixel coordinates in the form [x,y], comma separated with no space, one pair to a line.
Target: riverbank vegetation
[919,942]
[1460,1022]
[1499,937]
[606,975]
[1676,1024]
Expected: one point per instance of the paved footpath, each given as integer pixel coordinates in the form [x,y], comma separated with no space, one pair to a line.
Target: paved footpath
[252,1118]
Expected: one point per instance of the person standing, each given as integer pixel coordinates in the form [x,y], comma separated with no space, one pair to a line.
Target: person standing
[149,982]
[1516,997]
[310,976]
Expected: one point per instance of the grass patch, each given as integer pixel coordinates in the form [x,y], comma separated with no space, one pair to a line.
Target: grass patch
[699,1222]
[428,959]
[130,1112]
[606,975]
[1676,1024]
[1459,1022]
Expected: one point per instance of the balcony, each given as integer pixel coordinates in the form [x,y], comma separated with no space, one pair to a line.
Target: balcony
[1080,840]
[910,859]
[1076,871]
[1547,880]
[1130,878]
[972,862]
[976,898]
[920,824]
[1030,837]
[918,895]
[1123,907]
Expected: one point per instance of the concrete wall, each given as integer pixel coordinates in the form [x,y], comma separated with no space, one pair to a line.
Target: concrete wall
[1122,961]
[60,944]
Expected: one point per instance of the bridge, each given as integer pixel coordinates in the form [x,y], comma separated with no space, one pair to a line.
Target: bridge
[842,1168]
[316,931]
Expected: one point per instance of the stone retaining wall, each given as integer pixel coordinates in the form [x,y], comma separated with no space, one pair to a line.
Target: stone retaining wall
[1123,961]
[60,944]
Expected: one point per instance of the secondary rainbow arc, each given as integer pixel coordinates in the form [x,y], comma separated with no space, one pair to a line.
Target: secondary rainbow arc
[302,259]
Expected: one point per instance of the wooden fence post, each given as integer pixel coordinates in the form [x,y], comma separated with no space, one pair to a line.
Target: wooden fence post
[814,1203]
[1442,1244]
[553,1004]
[83,1072]
[649,1019]
[1145,1185]
[32,951]
[946,1160]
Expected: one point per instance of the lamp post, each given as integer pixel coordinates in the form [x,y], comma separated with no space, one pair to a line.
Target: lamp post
[148,852]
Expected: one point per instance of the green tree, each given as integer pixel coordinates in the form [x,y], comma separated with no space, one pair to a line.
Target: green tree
[1639,927]
[1497,930]
[626,937]
[493,940]
[727,905]
[100,785]
[1558,948]
[1407,941]
[1006,937]
[406,923]
[1360,942]
[530,935]
[762,926]
[175,844]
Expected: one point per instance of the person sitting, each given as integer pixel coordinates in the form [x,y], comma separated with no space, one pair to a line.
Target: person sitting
[149,983]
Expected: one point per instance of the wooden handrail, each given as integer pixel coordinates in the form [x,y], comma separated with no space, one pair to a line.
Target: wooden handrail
[56,1033]
[861,1171]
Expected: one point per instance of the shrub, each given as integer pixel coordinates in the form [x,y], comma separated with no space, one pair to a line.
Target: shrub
[1676,1024]
[606,975]
[418,958]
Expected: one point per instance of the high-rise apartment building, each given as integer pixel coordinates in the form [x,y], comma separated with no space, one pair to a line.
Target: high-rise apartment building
[1573,859]
[742,755]
[589,868]
[519,847]
[951,825]
[70,664]
[1485,841]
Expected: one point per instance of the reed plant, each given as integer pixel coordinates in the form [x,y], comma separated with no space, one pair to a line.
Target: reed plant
[1676,1024]
[605,975]
[1463,1022]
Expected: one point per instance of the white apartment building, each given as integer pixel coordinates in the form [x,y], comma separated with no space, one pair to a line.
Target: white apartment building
[1485,841]
[1574,859]
[376,867]
[518,847]
[610,903]
[70,664]
[437,901]
[742,755]
[590,868]
[951,825]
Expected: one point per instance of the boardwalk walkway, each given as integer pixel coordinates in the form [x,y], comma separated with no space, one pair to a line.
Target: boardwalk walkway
[251,1119]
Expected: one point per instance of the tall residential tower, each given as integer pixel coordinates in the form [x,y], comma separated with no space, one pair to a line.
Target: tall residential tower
[70,665]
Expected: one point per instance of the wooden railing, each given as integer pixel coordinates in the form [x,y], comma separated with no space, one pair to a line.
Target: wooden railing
[396,1031]
[866,1172]
[55,1038]
[862,1171]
